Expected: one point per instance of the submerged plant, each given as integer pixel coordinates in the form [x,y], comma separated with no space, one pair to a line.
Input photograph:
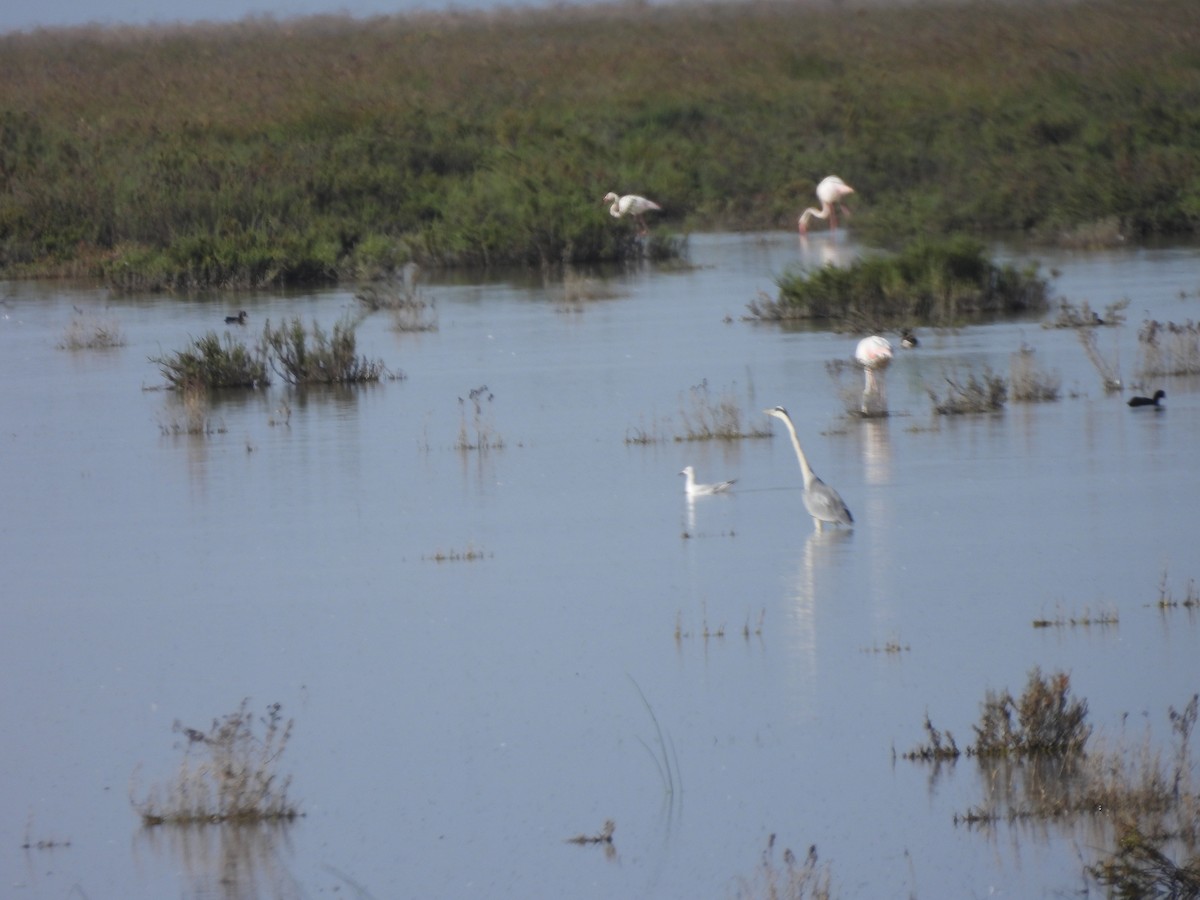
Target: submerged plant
[85,332]
[235,778]
[794,880]
[707,418]
[402,296]
[480,434]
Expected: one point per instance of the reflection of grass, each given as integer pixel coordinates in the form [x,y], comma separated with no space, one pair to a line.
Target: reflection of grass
[793,881]
[236,782]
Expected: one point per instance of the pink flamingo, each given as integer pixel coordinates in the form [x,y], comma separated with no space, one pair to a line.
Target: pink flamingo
[632,205]
[831,192]
[874,354]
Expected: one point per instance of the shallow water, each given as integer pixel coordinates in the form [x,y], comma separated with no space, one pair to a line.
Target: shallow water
[456,721]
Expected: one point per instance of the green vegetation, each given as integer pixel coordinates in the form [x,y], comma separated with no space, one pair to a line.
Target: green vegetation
[931,282]
[302,358]
[264,153]
[236,779]
[214,362]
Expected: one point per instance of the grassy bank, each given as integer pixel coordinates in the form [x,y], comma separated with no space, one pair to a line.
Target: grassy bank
[267,153]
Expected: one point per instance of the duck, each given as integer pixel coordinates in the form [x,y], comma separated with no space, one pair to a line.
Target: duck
[1148,401]
[239,319]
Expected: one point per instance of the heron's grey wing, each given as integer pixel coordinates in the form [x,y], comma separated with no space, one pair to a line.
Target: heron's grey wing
[826,504]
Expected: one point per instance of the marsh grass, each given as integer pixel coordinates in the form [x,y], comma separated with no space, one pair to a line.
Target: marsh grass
[400,294]
[577,290]
[470,554]
[300,356]
[88,332]
[930,282]
[213,362]
[707,416]
[484,138]
[793,880]
[1108,367]
[1104,618]
[1167,599]
[477,433]
[189,414]
[984,393]
[1070,315]
[229,774]
[665,759]
[1168,349]
[1030,384]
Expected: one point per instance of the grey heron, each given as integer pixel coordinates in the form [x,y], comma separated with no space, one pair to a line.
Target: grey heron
[823,503]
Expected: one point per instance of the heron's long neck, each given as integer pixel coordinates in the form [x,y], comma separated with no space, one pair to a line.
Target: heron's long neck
[805,468]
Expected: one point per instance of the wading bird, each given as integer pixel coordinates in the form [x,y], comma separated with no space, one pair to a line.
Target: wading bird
[874,354]
[822,502]
[831,192]
[700,490]
[239,319]
[631,205]
[1148,401]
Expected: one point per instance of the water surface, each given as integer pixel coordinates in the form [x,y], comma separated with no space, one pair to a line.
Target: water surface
[458,720]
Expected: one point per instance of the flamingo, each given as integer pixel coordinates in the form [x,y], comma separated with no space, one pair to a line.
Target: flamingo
[632,205]
[823,503]
[831,192]
[692,489]
[874,354]
[1148,401]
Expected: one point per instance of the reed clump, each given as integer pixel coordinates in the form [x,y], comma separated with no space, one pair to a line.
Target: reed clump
[983,393]
[1168,348]
[229,774]
[478,434]
[795,879]
[262,153]
[709,416]
[1029,384]
[299,356]
[87,332]
[930,281]
[1081,315]
[212,362]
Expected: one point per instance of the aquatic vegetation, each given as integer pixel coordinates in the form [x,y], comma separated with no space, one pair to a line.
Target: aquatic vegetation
[1109,369]
[236,780]
[1028,383]
[470,554]
[369,143]
[1070,315]
[189,414]
[976,394]
[707,417]
[1168,349]
[1167,599]
[931,282]
[603,836]
[86,332]
[1086,619]
[480,435]
[1139,868]
[402,296]
[213,361]
[301,357]
[795,880]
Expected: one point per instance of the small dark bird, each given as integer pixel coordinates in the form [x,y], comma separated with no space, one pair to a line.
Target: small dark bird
[908,340]
[1148,401]
[239,319]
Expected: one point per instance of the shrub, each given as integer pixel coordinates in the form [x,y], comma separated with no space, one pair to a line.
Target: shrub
[300,358]
[977,394]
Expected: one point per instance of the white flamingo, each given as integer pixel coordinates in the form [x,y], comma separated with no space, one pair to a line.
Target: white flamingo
[874,354]
[831,192]
[631,205]
[823,503]
[692,489]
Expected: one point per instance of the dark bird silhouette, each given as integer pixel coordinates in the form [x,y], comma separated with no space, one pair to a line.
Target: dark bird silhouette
[239,319]
[1148,401]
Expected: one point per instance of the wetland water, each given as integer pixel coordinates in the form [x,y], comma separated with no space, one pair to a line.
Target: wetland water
[456,721]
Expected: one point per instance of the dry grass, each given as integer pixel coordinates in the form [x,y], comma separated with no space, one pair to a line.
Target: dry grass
[974,394]
[188,413]
[707,417]
[479,433]
[1109,368]
[87,332]
[1168,349]
[1030,384]
[794,880]
[228,774]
